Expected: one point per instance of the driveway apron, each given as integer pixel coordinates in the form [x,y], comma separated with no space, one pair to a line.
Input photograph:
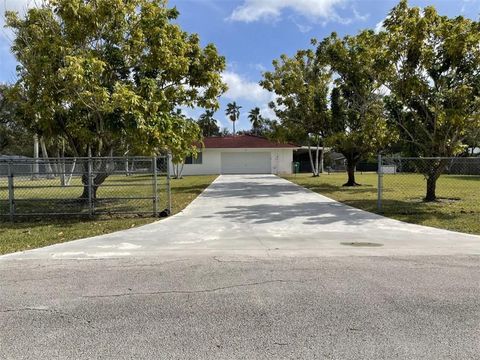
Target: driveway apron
[264,215]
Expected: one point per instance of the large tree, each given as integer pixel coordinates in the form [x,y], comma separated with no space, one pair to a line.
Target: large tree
[104,72]
[208,124]
[15,139]
[434,83]
[358,125]
[301,88]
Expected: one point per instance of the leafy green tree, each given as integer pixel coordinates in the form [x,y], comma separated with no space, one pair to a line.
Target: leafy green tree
[256,120]
[358,125]
[434,80]
[187,142]
[15,139]
[301,87]
[105,72]
[208,124]
[233,113]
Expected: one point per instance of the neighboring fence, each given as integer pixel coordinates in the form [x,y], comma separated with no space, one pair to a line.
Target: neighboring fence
[409,180]
[84,186]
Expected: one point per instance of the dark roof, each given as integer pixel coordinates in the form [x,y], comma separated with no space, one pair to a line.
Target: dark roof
[242,142]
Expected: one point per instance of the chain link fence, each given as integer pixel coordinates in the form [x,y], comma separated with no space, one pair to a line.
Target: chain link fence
[404,182]
[84,187]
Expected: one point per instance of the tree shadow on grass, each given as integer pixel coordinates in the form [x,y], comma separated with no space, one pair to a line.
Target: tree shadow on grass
[75,210]
[190,189]
[415,212]
[325,189]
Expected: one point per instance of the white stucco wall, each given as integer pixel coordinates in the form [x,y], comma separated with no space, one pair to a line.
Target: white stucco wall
[281,161]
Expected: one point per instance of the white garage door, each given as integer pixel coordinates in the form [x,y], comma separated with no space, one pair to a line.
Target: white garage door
[246,163]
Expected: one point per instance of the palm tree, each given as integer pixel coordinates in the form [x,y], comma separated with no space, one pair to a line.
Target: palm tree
[208,124]
[256,119]
[233,112]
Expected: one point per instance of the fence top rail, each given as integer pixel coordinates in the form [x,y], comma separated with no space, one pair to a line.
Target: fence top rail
[431,158]
[72,159]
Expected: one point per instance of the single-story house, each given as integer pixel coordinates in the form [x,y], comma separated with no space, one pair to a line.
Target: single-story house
[241,154]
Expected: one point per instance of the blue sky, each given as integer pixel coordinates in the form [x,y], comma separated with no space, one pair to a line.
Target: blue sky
[251,33]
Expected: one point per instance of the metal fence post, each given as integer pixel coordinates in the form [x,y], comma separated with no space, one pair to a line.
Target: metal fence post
[380,182]
[169,187]
[90,187]
[155,186]
[11,192]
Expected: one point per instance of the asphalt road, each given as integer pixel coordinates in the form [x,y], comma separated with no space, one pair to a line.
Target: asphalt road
[255,268]
[241,308]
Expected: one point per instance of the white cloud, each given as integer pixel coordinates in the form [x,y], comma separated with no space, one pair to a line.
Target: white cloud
[268,113]
[303,28]
[260,67]
[359,16]
[271,10]
[240,88]
[248,94]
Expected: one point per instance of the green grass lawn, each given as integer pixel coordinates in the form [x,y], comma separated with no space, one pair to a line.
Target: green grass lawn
[37,231]
[457,209]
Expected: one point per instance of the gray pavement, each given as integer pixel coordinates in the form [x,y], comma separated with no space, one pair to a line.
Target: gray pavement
[263,215]
[241,308]
[253,269]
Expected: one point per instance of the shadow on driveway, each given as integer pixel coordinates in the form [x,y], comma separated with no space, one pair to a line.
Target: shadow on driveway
[252,189]
[313,213]
[269,200]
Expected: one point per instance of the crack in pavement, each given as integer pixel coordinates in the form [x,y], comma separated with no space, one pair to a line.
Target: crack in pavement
[26,309]
[217,259]
[196,291]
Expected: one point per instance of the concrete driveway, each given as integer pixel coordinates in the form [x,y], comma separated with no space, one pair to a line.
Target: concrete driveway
[247,271]
[264,215]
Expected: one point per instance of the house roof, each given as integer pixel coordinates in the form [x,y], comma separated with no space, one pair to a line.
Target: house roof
[242,142]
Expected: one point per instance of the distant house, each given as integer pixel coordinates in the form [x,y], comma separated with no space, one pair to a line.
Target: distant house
[241,154]
[333,161]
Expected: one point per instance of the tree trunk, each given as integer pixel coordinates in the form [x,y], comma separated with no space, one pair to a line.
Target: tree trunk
[314,170]
[101,172]
[322,161]
[85,193]
[48,167]
[351,164]
[432,175]
[36,167]
[61,168]
[180,171]
[97,181]
[431,188]
[317,159]
[72,170]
